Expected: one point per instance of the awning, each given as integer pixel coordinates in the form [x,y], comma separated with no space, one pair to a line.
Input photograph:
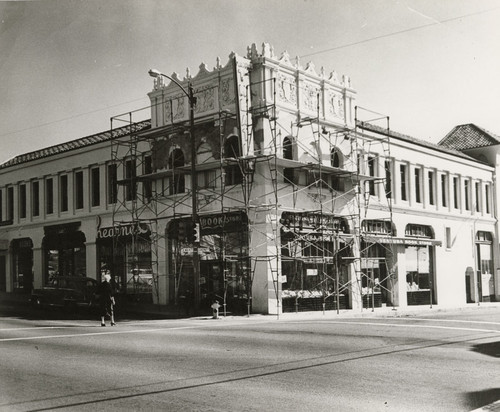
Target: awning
[409,241]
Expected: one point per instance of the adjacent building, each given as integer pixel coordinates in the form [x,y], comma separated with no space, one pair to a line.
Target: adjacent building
[261,184]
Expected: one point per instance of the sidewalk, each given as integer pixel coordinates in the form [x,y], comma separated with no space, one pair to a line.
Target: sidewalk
[149,310]
[171,312]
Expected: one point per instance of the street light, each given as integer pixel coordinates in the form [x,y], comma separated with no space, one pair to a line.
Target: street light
[192,103]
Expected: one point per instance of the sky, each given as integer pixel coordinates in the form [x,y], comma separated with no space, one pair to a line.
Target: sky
[68,66]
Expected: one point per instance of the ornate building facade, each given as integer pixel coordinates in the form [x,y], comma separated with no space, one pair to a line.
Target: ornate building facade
[261,184]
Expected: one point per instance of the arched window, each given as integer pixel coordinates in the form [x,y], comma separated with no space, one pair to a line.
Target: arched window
[232,152]
[336,157]
[176,182]
[288,174]
[337,161]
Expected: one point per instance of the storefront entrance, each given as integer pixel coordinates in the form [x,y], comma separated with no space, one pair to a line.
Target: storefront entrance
[22,254]
[484,267]
[377,278]
[124,252]
[419,255]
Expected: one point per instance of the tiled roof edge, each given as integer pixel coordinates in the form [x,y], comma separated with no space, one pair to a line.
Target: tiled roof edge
[493,137]
[410,139]
[76,144]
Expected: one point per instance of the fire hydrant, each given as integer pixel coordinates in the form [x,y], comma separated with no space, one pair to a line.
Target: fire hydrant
[215,309]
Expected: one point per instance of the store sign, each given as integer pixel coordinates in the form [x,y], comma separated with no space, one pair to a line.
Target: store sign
[122,230]
[187,251]
[228,222]
[310,220]
[402,241]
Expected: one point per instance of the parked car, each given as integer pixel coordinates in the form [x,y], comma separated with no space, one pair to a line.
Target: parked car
[68,291]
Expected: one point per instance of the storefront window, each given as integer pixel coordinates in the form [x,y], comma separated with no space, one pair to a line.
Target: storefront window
[124,252]
[224,262]
[65,253]
[312,266]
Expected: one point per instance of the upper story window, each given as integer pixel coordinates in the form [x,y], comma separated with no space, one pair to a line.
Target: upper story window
[10,203]
[403,179]
[63,192]
[176,183]
[130,176]
[79,190]
[35,198]
[95,183]
[22,201]
[372,165]
[431,178]
[49,196]
[487,196]
[287,148]
[477,186]
[288,173]
[467,194]
[232,151]
[147,186]
[337,161]
[388,178]
[444,190]
[418,185]
[112,183]
[456,193]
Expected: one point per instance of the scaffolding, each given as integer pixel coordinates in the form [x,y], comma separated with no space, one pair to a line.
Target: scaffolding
[300,218]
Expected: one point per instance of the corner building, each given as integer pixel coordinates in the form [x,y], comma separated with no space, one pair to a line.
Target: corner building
[303,201]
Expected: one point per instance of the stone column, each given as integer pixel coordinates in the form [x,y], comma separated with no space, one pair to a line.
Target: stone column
[38,265]
[91,260]
[266,290]
[400,278]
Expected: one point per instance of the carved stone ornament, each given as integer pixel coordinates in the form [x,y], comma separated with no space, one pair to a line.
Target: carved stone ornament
[226,92]
[311,98]
[287,91]
[332,104]
[205,100]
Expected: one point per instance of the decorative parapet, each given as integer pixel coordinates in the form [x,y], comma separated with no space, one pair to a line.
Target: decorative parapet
[215,91]
[304,91]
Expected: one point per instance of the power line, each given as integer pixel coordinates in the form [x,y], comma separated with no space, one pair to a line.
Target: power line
[398,32]
[67,118]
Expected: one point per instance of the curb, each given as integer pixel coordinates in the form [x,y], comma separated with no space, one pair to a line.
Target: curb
[495,406]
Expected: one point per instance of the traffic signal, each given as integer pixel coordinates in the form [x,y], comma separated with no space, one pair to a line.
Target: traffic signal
[193,233]
[197,232]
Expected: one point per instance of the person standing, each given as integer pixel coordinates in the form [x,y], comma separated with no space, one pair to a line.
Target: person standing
[106,300]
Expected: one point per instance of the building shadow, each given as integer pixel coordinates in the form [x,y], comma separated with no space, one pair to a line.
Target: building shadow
[490,349]
[478,399]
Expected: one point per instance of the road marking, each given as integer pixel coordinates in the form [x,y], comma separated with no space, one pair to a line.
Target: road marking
[484,322]
[201,326]
[410,326]
[114,332]
[35,327]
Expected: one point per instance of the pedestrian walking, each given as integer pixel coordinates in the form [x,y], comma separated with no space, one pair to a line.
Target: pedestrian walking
[106,300]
